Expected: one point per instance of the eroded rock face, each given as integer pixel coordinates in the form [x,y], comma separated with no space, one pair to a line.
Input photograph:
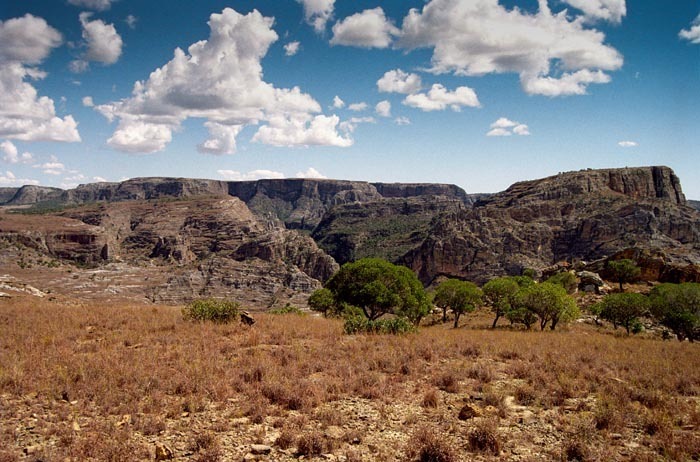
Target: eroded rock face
[386,228]
[6,194]
[583,215]
[204,247]
[249,240]
[144,189]
[31,194]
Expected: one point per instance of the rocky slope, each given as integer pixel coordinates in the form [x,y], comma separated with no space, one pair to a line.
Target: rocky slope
[694,204]
[272,241]
[585,215]
[198,247]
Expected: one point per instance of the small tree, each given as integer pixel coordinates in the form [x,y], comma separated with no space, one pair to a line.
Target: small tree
[624,309]
[378,287]
[624,270]
[677,306]
[549,302]
[565,279]
[521,315]
[322,300]
[596,309]
[499,293]
[459,296]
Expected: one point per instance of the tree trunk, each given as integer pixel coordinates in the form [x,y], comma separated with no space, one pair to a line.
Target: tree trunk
[444,315]
[457,313]
[493,326]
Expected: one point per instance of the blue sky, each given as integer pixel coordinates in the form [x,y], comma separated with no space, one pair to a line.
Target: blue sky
[479,93]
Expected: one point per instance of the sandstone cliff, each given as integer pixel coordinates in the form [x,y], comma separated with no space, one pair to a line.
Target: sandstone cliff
[271,241]
[205,246]
[6,194]
[583,215]
[31,194]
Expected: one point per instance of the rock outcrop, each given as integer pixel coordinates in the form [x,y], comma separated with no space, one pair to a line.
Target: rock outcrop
[6,194]
[584,215]
[268,242]
[144,189]
[30,194]
[385,228]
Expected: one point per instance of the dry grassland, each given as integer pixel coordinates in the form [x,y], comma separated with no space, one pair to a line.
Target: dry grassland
[110,383]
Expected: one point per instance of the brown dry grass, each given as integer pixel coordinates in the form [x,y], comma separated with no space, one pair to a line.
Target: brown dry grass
[108,382]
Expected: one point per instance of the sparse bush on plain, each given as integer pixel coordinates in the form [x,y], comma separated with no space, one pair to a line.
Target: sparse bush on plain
[362,325]
[288,309]
[485,438]
[211,309]
[427,445]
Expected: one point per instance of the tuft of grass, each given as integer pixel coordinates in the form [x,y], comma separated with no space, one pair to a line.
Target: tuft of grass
[426,445]
[485,438]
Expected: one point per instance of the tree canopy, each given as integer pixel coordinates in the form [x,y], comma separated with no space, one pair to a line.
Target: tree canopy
[624,270]
[549,302]
[499,293]
[624,309]
[677,306]
[459,296]
[378,287]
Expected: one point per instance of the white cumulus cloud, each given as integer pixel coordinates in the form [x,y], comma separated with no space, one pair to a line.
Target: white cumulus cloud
[99,5]
[506,127]
[383,108]
[88,102]
[368,29]
[338,103]
[553,54]
[402,120]
[318,12]
[220,80]
[52,168]
[11,154]
[9,179]
[398,81]
[596,10]
[24,115]
[103,43]
[357,107]
[693,33]
[233,175]
[302,130]
[311,173]
[291,48]
[438,98]
[349,126]
[628,144]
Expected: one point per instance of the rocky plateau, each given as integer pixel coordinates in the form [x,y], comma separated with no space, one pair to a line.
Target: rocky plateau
[272,242]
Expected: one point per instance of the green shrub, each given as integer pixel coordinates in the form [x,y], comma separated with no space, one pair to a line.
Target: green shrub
[288,309]
[362,325]
[210,309]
